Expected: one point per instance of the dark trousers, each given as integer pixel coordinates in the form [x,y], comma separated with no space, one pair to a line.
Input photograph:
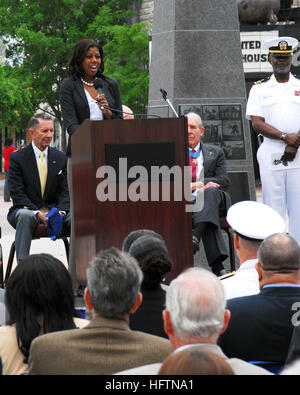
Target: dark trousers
[6,193]
[25,222]
[206,225]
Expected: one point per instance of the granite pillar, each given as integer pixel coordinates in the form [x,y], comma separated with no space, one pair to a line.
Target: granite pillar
[196,57]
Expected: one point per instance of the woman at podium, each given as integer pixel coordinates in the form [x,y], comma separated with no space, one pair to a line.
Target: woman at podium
[86,94]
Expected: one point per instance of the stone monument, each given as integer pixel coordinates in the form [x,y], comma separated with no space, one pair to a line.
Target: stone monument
[196,58]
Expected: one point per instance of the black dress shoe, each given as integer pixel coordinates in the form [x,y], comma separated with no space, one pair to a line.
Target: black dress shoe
[222,272]
[79,292]
[218,269]
[195,244]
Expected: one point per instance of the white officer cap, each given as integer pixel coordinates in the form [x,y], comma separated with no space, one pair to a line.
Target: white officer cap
[281,46]
[254,220]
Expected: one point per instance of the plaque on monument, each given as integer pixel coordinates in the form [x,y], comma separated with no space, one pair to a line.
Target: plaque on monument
[223,127]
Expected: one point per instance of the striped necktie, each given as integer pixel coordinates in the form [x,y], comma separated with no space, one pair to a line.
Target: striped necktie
[42,167]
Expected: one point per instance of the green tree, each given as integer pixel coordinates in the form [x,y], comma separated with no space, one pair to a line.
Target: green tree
[127,57]
[40,35]
[16,100]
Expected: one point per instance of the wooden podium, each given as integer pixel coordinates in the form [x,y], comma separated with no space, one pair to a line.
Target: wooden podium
[122,145]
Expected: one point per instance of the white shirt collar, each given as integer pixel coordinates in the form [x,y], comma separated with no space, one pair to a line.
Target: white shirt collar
[196,148]
[291,80]
[37,151]
[249,264]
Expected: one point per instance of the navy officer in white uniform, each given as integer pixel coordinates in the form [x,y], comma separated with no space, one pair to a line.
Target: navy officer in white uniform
[252,222]
[274,107]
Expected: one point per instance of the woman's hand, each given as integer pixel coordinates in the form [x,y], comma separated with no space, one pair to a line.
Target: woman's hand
[101,100]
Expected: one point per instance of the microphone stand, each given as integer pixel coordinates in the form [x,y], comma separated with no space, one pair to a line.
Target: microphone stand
[102,107]
[164,95]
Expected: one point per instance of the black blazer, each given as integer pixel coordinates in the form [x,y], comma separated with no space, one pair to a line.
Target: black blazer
[260,327]
[294,348]
[24,182]
[148,317]
[74,105]
[214,166]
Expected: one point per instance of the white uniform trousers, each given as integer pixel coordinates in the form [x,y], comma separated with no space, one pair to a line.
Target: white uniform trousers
[281,191]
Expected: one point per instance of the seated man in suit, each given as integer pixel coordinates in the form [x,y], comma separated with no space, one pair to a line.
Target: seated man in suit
[37,182]
[210,160]
[196,315]
[106,345]
[261,325]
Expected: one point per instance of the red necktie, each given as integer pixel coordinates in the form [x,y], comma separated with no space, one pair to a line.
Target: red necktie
[193,164]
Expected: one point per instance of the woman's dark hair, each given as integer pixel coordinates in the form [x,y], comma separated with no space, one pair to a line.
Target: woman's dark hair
[135,234]
[78,55]
[39,298]
[152,255]
[8,142]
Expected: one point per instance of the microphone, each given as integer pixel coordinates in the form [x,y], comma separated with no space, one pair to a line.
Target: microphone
[102,107]
[98,86]
[164,95]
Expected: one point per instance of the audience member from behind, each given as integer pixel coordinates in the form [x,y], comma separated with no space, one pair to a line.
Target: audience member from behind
[135,234]
[7,150]
[293,357]
[196,314]
[152,255]
[195,361]
[39,299]
[107,344]
[252,223]
[261,327]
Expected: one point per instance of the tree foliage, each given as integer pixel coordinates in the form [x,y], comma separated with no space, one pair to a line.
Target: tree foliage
[40,36]
[15,97]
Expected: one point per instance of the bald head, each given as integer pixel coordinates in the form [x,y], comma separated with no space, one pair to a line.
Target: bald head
[127,112]
[279,253]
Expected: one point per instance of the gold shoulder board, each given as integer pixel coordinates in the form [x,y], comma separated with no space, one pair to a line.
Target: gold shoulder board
[262,80]
[227,275]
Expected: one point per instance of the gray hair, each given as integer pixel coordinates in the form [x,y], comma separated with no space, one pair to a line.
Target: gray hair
[195,115]
[196,303]
[34,121]
[113,280]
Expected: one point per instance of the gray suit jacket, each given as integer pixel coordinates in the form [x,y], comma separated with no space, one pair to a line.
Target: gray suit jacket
[238,366]
[214,165]
[105,346]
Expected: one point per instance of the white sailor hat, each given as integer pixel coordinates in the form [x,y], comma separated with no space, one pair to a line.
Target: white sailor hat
[281,46]
[254,220]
